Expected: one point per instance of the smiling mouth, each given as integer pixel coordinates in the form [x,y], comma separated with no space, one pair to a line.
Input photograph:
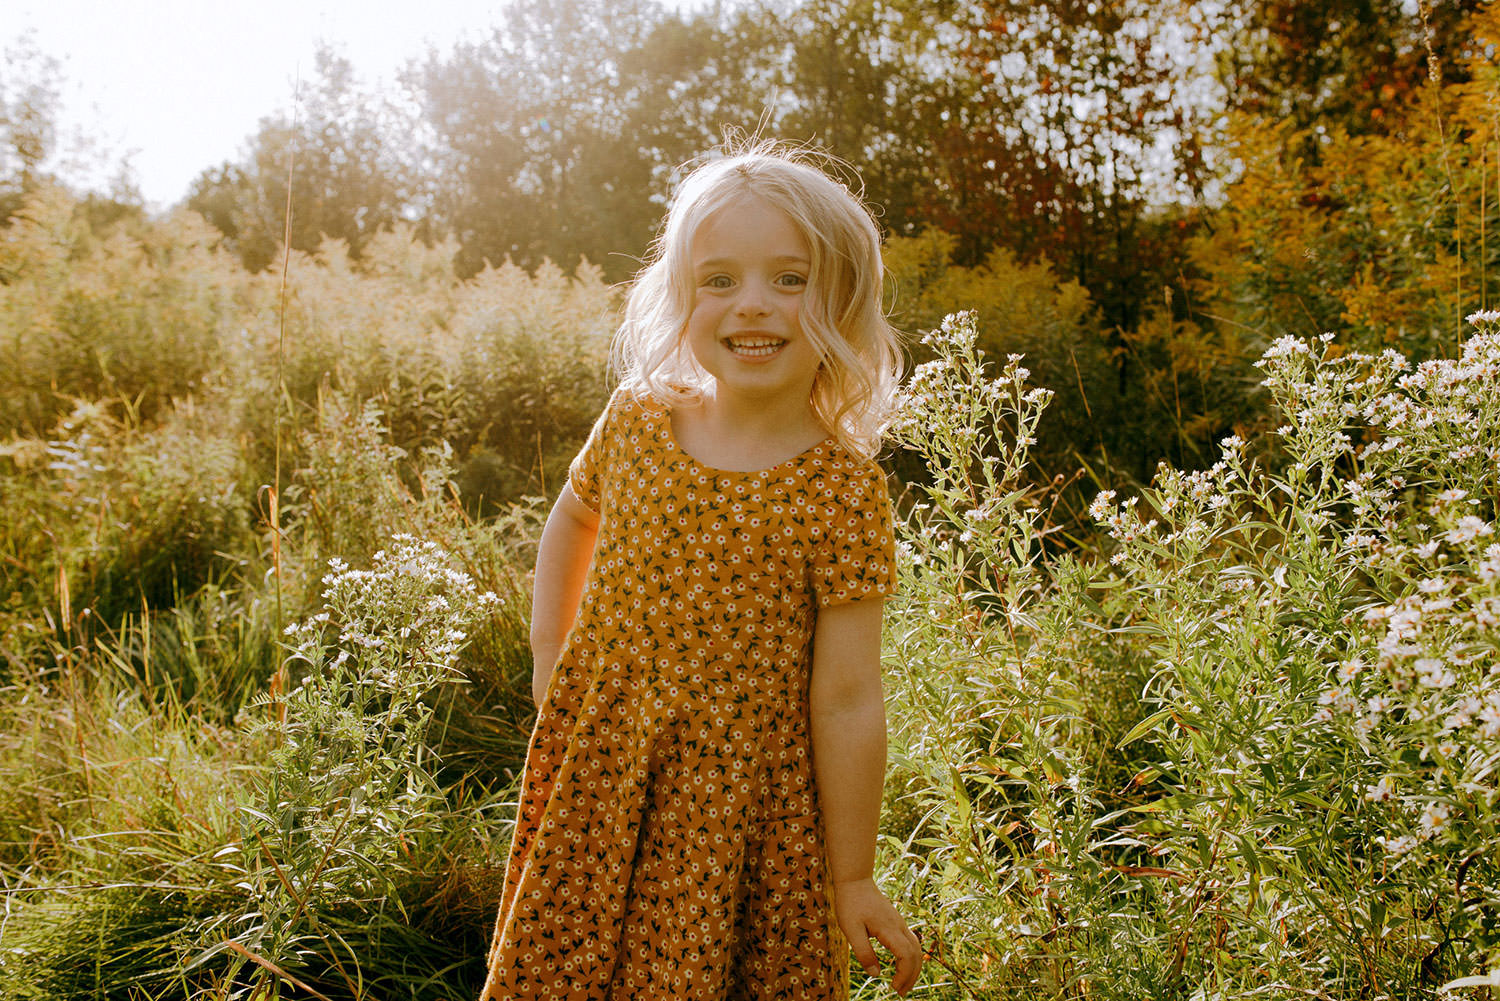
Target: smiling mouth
[758,346]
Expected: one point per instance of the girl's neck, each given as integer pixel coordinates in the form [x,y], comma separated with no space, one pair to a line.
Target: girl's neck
[733,435]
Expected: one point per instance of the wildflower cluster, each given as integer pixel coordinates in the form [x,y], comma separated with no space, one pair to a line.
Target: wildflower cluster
[409,610]
[1444,417]
[351,781]
[386,637]
[981,717]
[1432,683]
[1355,577]
[1194,504]
[974,433]
[952,398]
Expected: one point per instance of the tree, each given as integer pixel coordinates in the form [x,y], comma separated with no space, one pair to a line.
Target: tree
[871,81]
[1081,133]
[30,98]
[1352,65]
[557,136]
[350,179]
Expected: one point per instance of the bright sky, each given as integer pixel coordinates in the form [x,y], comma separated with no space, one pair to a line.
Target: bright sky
[180,85]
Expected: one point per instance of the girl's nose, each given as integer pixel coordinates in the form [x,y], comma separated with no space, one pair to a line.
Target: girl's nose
[753,299]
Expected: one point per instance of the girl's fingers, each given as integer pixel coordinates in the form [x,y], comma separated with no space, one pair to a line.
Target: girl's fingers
[908,966]
[906,950]
[864,954]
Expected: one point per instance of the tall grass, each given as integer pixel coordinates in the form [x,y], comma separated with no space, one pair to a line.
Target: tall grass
[150,850]
[1241,743]
[168,832]
[1299,796]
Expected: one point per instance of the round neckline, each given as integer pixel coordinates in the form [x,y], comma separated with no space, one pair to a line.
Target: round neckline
[672,442]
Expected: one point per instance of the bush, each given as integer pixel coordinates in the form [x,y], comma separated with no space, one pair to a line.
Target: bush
[134,316]
[1303,799]
[1383,237]
[105,519]
[149,853]
[1123,399]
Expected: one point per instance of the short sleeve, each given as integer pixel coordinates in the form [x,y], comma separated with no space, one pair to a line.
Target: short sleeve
[583,473]
[858,558]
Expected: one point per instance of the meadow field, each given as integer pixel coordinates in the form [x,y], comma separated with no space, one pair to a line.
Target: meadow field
[1193,675]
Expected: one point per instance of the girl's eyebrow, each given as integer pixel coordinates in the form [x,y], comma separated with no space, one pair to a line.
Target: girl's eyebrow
[719,262]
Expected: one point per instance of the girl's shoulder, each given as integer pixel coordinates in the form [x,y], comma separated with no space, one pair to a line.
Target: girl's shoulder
[851,478]
[632,397]
[629,404]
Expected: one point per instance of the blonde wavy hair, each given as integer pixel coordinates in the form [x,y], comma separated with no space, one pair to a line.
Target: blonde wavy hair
[842,316]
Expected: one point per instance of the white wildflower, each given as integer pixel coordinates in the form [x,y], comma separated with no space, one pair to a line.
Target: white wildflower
[1101,505]
[1489,568]
[1434,818]
[1433,673]
[1463,713]
[1489,716]
[1469,528]
[1397,846]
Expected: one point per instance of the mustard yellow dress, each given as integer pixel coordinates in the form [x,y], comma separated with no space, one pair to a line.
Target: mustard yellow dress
[668,843]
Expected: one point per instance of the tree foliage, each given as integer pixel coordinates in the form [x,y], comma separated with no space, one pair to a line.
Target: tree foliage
[349,169]
[1382,234]
[1089,140]
[1346,64]
[30,91]
[556,136]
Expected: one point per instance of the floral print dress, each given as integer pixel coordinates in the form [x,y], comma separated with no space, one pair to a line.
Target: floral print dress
[668,843]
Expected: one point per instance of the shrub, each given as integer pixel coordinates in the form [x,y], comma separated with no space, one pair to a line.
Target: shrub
[350,788]
[149,853]
[104,519]
[1381,236]
[1017,309]
[506,367]
[1303,801]
[1123,399]
[991,796]
[134,316]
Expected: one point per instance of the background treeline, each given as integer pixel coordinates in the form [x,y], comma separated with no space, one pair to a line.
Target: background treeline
[1106,142]
[1128,757]
[1094,139]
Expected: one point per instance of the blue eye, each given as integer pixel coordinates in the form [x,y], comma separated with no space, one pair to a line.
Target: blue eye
[791,279]
[717,281]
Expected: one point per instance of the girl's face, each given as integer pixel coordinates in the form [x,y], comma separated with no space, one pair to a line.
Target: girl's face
[750,267]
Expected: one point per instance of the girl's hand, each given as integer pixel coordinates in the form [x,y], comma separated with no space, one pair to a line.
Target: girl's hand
[865,913]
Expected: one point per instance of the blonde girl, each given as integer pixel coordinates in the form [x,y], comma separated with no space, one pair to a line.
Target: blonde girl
[699,807]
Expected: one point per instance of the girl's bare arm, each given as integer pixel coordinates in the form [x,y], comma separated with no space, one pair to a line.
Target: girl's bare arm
[562,564]
[848,732]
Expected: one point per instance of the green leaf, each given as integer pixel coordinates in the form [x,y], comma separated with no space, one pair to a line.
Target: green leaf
[1145,726]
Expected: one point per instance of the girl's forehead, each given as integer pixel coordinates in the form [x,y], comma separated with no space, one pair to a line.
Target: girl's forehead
[739,204]
[748,217]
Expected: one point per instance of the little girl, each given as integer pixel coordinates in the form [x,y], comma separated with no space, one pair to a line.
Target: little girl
[698,814]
